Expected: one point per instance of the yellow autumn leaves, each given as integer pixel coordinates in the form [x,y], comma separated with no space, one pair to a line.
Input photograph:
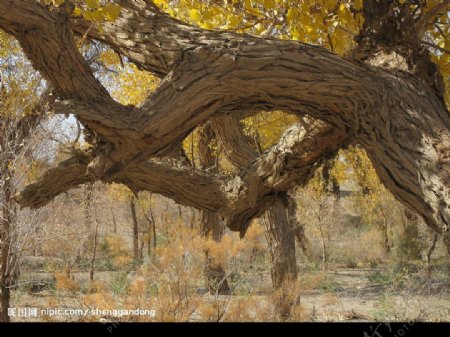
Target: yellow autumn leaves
[93,10]
[329,23]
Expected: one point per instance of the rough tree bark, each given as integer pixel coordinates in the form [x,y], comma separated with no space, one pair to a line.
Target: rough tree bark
[277,224]
[281,242]
[210,221]
[388,97]
[238,198]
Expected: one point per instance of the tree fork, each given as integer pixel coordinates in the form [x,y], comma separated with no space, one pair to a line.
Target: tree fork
[388,104]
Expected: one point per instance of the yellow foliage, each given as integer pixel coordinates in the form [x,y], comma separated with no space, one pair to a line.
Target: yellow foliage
[267,127]
[111,12]
[255,236]
[93,4]
[95,10]
[117,250]
[119,192]
[134,85]
[363,170]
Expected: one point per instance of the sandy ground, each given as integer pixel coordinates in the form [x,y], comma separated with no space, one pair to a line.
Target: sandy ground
[353,297]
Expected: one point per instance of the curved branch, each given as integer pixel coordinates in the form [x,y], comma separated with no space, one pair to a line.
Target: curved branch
[400,119]
[290,163]
[47,40]
[238,199]
[235,144]
[150,38]
[68,174]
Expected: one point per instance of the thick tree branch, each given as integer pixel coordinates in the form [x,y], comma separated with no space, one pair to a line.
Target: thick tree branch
[238,199]
[152,39]
[290,163]
[47,40]
[68,174]
[235,144]
[287,75]
[398,115]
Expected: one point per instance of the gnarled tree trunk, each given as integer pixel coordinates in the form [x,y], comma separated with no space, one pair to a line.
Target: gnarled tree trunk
[279,227]
[387,97]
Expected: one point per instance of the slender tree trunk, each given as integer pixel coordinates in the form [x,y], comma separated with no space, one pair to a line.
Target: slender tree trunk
[88,194]
[141,247]
[5,248]
[153,223]
[281,242]
[6,300]
[135,228]
[149,236]
[5,290]
[114,221]
[387,246]
[180,213]
[323,244]
[94,253]
[88,223]
[154,231]
[385,232]
[431,250]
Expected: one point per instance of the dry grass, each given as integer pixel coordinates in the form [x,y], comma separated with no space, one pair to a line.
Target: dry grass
[171,278]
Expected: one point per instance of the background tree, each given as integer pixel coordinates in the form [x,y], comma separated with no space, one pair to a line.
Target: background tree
[21,111]
[376,86]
